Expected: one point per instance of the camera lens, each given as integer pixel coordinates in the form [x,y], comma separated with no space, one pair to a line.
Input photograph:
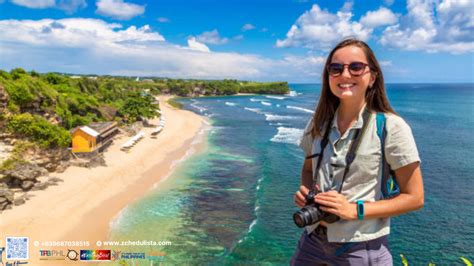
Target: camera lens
[297,217]
[307,216]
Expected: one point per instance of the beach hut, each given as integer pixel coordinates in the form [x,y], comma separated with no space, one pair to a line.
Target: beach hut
[93,137]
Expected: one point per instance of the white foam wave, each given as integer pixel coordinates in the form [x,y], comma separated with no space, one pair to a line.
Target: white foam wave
[265,103]
[255,110]
[299,108]
[276,97]
[270,117]
[230,104]
[118,219]
[277,124]
[254,222]
[256,100]
[292,94]
[201,109]
[288,135]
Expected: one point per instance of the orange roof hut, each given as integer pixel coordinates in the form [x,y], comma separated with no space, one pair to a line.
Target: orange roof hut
[93,137]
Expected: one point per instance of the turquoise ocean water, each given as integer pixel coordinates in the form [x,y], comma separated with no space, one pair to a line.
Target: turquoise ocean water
[232,204]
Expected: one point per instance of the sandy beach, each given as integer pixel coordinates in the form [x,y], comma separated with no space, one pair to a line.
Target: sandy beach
[82,207]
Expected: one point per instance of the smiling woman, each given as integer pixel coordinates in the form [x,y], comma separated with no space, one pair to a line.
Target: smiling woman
[354,135]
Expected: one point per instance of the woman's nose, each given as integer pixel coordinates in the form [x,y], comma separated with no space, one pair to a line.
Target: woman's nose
[345,72]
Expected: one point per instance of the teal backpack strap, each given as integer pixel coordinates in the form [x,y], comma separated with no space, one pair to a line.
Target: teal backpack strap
[390,186]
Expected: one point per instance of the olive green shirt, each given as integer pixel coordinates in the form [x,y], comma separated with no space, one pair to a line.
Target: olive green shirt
[363,181]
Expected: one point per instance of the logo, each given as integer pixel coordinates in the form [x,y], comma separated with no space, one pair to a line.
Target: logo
[72,254]
[156,256]
[52,255]
[116,255]
[95,255]
[133,255]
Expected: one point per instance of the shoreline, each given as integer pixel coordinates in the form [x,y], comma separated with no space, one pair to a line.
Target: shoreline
[84,206]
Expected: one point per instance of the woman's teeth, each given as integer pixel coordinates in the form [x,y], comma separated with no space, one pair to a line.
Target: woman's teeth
[346,85]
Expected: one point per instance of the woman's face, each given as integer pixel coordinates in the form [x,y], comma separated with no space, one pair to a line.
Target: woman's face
[346,86]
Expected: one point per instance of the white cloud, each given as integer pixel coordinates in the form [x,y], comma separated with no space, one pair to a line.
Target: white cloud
[380,17]
[247,27]
[71,6]
[85,46]
[310,65]
[320,29]
[163,20]
[35,3]
[193,44]
[389,2]
[211,37]
[385,63]
[118,9]
[238,37]
[451,31]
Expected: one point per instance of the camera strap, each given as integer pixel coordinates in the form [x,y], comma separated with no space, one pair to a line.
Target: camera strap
[351,154]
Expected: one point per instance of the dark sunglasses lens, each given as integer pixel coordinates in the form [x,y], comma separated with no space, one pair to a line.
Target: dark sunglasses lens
[356,68]
[335,69]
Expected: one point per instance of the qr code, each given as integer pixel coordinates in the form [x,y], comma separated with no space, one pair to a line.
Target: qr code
[17,248]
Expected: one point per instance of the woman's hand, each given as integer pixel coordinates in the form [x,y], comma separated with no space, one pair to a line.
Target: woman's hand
[300,196]
[337,204]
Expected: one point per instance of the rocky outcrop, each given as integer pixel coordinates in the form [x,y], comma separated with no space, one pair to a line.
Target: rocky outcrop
[23,176]
[14,184]
[6,198]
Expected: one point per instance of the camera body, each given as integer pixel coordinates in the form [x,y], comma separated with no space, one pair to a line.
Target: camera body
[311,213]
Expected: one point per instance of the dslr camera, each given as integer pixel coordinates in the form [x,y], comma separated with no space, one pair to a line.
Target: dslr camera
[311,213]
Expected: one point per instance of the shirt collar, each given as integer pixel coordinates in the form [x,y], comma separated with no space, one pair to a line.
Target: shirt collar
[358,124]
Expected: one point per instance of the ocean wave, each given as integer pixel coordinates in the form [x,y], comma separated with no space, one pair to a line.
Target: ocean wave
[265,103]
[276,97]
[254,222]
[292,94]
[277,124]
[256,100]
[230,104]
[255,110]
[299,108]
[288,135]
[270,117]
[200,108]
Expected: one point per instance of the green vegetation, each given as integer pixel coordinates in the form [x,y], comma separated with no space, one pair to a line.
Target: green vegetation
[39,130]
[43,107]
[137,106]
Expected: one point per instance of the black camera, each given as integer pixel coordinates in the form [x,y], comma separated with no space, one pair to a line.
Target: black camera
[311,213]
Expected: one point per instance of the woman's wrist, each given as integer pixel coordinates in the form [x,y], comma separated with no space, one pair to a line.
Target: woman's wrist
[354,213]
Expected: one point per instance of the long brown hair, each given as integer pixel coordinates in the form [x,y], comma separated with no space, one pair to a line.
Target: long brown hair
[375,96]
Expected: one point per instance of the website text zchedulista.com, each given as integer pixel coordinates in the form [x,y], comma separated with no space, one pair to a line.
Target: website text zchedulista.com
[133,243]
[99,243]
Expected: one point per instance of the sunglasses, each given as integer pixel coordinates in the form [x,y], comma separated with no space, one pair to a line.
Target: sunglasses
[355,68]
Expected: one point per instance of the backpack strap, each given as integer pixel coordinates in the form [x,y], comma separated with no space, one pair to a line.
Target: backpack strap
[390,186]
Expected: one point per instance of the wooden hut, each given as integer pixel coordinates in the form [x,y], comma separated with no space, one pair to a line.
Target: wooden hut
[93,137]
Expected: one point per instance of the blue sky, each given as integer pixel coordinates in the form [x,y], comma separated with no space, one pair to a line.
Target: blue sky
[267,40]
